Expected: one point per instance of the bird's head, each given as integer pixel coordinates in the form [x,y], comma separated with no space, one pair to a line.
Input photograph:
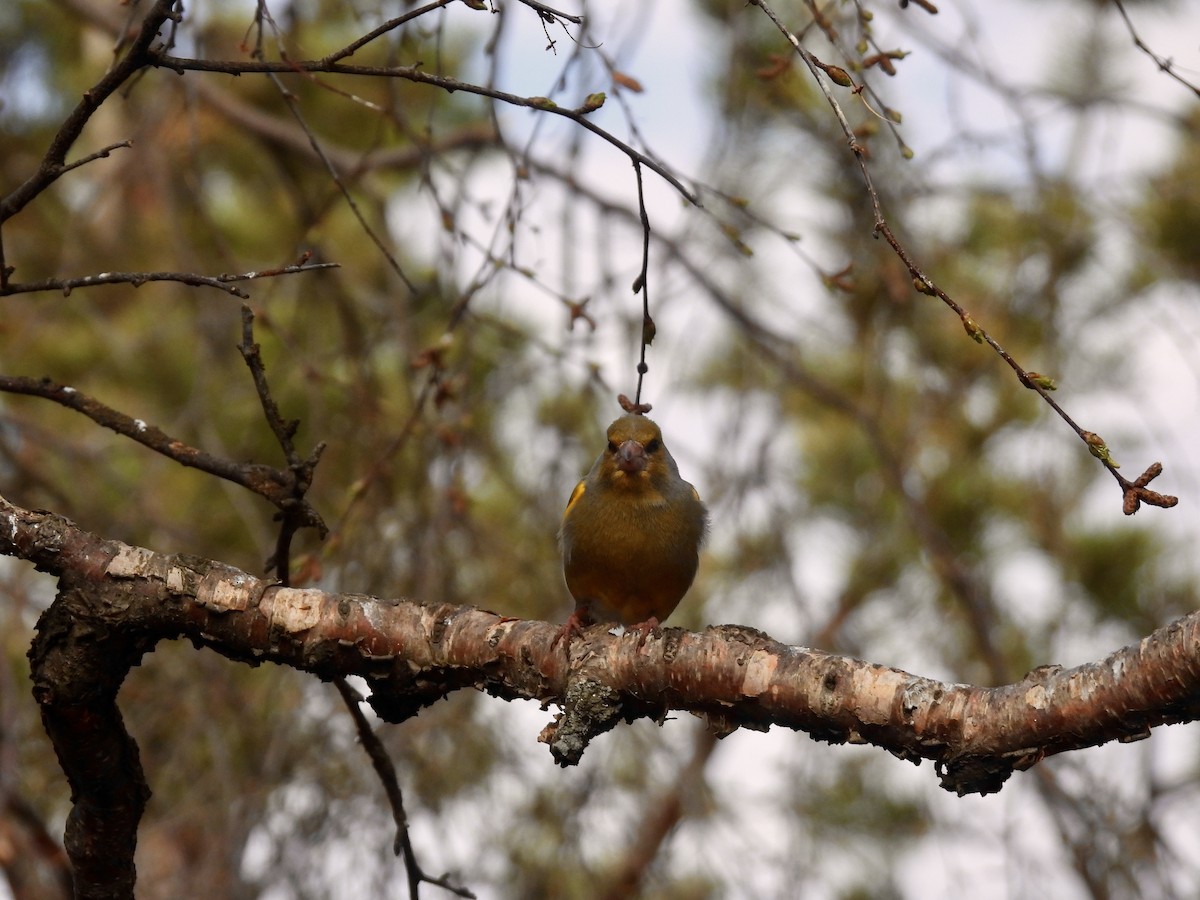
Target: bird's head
[635,451]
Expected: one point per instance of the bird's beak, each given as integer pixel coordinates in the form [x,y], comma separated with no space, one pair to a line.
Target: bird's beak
[631,457]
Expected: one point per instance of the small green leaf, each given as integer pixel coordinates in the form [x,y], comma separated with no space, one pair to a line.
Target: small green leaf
[972,329]
[1045,382]
[1099,449]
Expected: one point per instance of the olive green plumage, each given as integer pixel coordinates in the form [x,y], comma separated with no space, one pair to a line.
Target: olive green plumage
[632,531]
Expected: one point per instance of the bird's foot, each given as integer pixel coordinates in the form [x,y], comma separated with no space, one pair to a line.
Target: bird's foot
[643,630]
[570,630]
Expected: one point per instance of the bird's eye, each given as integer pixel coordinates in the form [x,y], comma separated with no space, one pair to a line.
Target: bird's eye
[612,447]
[652,445]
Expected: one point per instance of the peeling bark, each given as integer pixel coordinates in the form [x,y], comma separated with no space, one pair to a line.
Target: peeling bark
[115,602]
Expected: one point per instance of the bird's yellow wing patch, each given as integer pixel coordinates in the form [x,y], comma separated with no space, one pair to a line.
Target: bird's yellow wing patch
[575,495]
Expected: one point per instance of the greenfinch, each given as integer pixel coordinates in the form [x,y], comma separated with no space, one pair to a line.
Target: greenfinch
[631,533]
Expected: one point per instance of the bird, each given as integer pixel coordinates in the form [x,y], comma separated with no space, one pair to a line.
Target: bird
[631,533]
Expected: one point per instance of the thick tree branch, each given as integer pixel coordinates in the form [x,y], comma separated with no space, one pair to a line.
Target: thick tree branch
[414,654]
[76,675]
[115,602]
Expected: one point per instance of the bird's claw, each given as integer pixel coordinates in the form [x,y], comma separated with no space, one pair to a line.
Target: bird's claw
[573,628]
[570,630]
[643,630]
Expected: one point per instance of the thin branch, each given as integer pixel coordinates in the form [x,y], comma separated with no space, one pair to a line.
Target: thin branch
[283,431]
[295,513]
[283,132]
[1134,492]
[272,484]
[54,164]
[294,108]
[864,86]
[642,283]
[99,154]
[550,14]
[390,25]
[386,771]
[1164,64]
[416,74]
[137,279]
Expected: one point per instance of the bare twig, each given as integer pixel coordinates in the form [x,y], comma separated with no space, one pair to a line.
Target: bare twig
[387,26]
[291,520]
[549,14]
[642,283]
[925,284]
[103,153]
[1165,65]
[294,513]
[54,164]
[386,771]
[270,483]
[350,162]
[419,75]
[137,279]
[293,106]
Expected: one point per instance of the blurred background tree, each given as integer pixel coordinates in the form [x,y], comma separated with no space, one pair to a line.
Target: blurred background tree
[881,485]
